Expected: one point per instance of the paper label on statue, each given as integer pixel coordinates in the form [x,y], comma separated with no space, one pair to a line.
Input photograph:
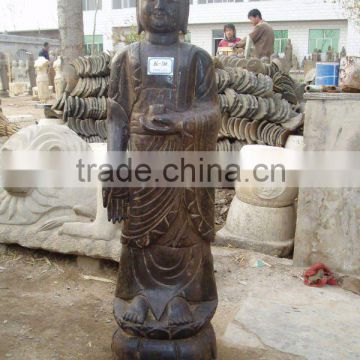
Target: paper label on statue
[161,66]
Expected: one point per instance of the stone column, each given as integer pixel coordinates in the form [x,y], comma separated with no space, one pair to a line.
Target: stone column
[328,226]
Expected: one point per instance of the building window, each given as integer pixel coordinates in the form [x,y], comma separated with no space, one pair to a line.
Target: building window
[322,39]
[281,38]
[121,4]
[218,35]
[98,44]
[90,5]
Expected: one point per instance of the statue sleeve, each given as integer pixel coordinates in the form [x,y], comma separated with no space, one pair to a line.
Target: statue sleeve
[120,102]
[202,122]
[200,134]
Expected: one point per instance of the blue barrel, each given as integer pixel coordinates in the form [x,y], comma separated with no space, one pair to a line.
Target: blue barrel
[327,74]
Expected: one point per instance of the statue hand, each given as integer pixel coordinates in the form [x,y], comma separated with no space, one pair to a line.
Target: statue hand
[166,124]
[116,201]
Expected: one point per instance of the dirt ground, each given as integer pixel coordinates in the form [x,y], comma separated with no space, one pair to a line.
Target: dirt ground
[49,311]
[21,105]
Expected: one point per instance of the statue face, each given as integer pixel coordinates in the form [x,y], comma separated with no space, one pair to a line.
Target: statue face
[163,16]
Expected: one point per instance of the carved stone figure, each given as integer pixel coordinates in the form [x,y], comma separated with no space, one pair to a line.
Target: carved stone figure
[22,72]
[59,78]
[295,62]
[4,79]
[30,68]
[42,79]
[343,52]
[166,293]
[303,62]
[330,54]
[63,220]
[289,52]
[15,71]
[19,85]
[314,55]
[319,55]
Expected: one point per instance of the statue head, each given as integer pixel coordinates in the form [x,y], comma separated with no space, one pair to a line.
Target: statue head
[162,16]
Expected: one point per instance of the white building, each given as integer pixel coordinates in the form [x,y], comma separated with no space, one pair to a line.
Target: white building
[309,24]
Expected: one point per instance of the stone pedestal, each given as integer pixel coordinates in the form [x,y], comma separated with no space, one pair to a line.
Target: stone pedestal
[328,227]
[262,219]
[199,347]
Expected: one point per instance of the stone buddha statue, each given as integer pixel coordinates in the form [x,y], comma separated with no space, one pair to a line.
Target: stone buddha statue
[166,293]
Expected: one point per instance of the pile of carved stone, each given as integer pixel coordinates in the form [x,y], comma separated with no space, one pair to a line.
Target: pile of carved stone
[253,65]
[86,116]
[93,66]
[256,108]
[85,108]
[245,131]
[244,82]
[286,86]
[274,109]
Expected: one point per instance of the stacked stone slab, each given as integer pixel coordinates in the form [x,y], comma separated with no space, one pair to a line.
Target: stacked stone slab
[258,103]
[85,108]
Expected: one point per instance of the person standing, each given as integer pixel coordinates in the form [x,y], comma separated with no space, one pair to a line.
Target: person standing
[230,38]
[45,51]
[263,36]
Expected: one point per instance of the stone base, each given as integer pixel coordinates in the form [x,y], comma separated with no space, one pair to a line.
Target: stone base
[20,88]
[260,229]
[200,347]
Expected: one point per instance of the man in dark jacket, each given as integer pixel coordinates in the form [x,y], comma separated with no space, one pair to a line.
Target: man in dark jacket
[45,51]
[262,36]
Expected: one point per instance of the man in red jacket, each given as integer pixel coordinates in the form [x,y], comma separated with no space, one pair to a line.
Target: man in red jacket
[230,38]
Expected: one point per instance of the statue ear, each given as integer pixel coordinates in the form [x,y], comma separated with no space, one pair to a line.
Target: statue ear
[140,27]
